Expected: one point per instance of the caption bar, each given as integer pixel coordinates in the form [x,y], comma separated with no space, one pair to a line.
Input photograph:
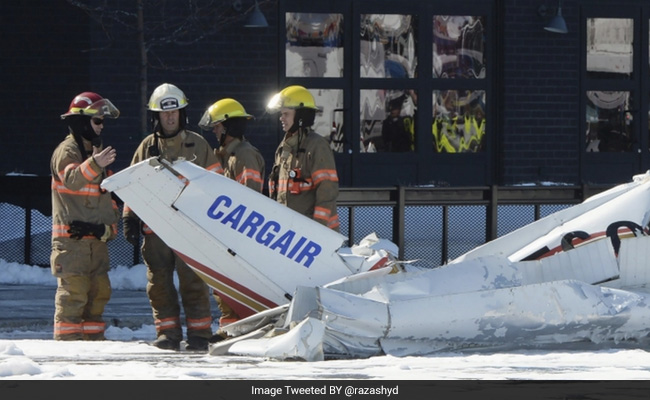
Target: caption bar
[326,390]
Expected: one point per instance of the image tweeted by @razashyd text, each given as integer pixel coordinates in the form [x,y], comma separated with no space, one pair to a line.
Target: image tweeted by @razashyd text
[326,390]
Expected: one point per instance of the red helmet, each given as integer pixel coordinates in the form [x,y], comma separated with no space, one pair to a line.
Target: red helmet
[92,105]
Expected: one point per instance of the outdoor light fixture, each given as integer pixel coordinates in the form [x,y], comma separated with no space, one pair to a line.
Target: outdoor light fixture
[256,19]
[557,24]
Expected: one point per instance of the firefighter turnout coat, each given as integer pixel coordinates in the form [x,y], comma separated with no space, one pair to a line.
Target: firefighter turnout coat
[161,261]
[243,163]
[80,265]
[304,177]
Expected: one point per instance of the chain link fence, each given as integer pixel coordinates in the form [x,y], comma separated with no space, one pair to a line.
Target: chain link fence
[423,231]
[431,233]
[33,246]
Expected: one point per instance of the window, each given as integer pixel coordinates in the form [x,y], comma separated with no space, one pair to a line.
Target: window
[609,48]
[609,126]
[387,50]
[459,54]
[613,93]
[402,88]
[610,56]
[458,121]
[388,120]
[314,46]
[314,49]
[458,47]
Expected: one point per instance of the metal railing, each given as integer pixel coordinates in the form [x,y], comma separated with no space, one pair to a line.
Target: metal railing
[490,197]
[422,221]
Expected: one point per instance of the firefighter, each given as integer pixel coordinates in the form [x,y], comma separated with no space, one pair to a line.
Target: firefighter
[303,176]
[171,140]
[84,218]
[241,161]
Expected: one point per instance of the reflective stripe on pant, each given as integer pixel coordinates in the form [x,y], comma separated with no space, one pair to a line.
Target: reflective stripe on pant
[168,324]
[93,330]
[196,325]
[84,330]
[161,263]
[67,331]
[83,288]
[79,305]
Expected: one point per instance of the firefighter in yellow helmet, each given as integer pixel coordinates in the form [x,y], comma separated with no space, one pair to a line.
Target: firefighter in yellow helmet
[303,176]
[84,218]
[241,161]
[170,140]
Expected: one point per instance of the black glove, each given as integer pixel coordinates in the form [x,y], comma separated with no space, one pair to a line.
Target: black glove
[131,230]
[79,229]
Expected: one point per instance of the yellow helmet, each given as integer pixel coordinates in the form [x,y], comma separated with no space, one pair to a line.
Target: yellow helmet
[292,97]
[167,97]
[222,110]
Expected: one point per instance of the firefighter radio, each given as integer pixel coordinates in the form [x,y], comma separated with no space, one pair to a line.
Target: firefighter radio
[296,178]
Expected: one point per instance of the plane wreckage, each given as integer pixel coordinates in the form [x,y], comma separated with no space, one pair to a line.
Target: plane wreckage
[574,279]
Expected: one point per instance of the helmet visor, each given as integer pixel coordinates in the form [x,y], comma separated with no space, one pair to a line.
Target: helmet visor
[206,122]
[100,108]
[276,103]
[103,108]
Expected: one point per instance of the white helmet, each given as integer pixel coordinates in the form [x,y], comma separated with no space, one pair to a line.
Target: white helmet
[167,97]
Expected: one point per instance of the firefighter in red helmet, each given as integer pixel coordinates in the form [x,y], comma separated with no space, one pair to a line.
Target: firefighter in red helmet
[84,218]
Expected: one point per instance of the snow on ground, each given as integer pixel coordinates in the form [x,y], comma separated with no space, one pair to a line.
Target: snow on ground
[127,356]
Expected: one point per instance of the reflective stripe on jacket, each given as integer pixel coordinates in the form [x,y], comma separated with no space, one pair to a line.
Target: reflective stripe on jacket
[76,191]
[243,163]
[315,187]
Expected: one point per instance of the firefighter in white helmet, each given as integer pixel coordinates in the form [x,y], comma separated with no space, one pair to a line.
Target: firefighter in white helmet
[303,176]
[241,161]
[84,218]
[170,140]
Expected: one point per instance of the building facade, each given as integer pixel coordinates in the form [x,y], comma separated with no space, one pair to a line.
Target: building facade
[411,92]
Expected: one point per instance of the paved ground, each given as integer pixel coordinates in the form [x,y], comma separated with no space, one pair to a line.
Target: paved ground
[31,308]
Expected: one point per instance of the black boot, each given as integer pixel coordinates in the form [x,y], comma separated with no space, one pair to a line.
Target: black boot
[165,343]
[219,336]
[196,343]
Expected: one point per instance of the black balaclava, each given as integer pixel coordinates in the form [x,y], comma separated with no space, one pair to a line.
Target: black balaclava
[234,127]
[304,118]
[81,127]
